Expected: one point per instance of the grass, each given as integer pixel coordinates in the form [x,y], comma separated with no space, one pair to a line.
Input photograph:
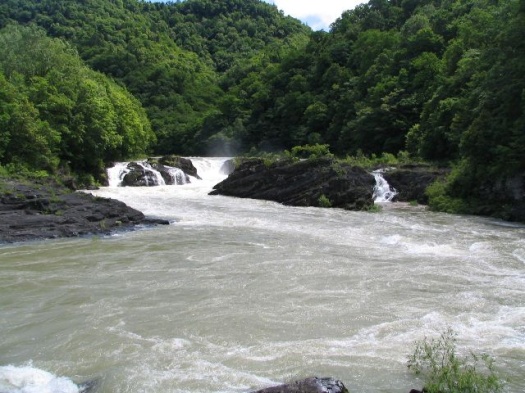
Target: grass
[375,208]
[444,371]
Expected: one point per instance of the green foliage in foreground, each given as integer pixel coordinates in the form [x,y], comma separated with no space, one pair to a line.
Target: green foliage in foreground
[444,371]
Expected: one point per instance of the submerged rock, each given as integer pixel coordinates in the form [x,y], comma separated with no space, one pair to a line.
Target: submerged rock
[90,386]
[321,182]
[45,211]
[309,385]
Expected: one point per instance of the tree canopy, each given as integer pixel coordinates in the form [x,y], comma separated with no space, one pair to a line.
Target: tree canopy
[57,111]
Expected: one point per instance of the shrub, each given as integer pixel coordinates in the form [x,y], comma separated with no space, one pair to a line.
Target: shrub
[374,208]
[445,372]
[324,201]
[310,151]
[440,200]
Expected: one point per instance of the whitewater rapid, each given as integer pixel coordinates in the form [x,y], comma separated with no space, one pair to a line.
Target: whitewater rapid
[239,294]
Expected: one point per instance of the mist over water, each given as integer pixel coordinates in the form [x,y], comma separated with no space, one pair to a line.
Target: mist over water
[239,294]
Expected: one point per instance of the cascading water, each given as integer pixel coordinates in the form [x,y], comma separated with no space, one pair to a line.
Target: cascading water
[116,173]
[156,177]
[150,175]
[382,190]
[208,170]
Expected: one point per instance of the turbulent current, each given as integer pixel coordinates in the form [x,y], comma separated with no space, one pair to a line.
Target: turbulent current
[240,294]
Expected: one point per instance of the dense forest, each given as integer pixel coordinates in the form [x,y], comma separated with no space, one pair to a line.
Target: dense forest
[88,82]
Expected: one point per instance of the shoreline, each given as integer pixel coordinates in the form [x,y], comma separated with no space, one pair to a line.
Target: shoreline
[38,211]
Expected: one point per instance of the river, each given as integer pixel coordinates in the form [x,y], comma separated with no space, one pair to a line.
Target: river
[240,294]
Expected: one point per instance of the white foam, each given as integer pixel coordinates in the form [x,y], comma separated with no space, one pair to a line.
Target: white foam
[519,254]
[382,190]
[28,379]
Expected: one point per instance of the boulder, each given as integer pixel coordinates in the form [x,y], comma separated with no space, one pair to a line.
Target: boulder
[172,175]
[309,385]
[322,182]
[182,163]
[139,175]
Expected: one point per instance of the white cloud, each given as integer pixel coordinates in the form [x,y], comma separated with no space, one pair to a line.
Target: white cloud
[318,14]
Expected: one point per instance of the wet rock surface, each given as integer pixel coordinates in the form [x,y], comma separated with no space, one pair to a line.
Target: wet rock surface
[317,182]
[308,385]
[45,211]
[184,164]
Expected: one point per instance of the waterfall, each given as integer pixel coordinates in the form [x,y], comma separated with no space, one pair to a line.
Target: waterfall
[208,169]
[382,190]
[151,174]
[116,173]
[178,175]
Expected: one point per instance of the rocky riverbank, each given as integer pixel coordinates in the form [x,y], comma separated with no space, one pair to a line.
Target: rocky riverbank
[32,211]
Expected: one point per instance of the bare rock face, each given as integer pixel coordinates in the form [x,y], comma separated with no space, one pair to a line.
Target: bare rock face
[46,211]
[309,385]
[320,182]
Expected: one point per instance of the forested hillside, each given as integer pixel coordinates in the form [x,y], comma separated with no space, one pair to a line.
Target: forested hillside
[56,113]
[169,56]
[443,80]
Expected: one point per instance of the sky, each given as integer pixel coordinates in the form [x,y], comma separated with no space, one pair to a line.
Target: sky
[318,14]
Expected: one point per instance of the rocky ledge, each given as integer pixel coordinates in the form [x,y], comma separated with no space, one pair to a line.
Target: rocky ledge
[46,211]
[322,182]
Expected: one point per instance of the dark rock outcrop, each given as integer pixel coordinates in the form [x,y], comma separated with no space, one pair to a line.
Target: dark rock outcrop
[309,385]
[44,211]
[182,163]
[316,182]
[503,198]
[139,176]
[411,181]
